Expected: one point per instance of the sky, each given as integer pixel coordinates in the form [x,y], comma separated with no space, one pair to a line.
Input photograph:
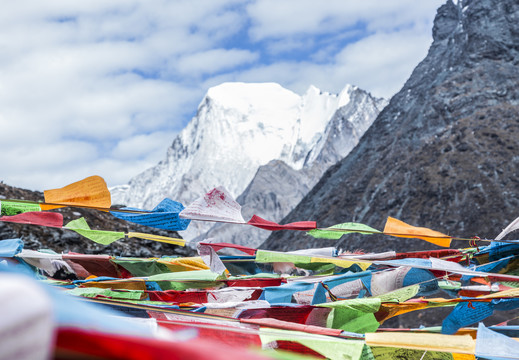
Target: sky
[102,87]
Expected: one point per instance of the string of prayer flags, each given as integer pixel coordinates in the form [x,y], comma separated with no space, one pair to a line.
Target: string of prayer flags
[272,226]
[107,237]
[335,232]
[398,228]
[216,205]
[181,291]
[10,208]
[164,216]
[50,219]
[91,192]
[101,237]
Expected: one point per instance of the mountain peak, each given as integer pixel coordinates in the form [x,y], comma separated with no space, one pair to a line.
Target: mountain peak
[246,97]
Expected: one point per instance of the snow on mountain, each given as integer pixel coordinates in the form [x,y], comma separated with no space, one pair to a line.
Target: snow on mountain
[277,188]
[238,128]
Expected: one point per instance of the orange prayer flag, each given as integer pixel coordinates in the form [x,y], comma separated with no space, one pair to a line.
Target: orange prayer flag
[395,227]
[91,191]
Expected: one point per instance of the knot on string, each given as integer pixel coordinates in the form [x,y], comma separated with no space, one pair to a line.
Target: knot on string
[473,242]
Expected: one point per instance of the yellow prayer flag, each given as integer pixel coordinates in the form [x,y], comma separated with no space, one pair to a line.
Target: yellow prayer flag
[184,264]
[461,344]
[363,264]
[463,357]
[91,191]
[395,227]
[153,237]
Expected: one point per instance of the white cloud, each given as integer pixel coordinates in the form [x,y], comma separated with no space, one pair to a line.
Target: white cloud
[382,62]
[103,86]
[143,146]
[278,19]
[214,60]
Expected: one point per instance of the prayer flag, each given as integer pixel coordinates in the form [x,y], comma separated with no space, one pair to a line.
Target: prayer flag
[50,219]
[152,237]
[163,216]
[335,232]
[9,208]
[270,225]
[216,205]
[514,225]
[493,345]
[91,191]
[462,344]
[101,237]
[219,246]
[399,228]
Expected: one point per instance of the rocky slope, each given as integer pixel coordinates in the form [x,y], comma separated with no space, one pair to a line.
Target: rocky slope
[444,152]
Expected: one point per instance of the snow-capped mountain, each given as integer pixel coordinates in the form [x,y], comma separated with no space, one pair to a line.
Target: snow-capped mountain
[277,188]
[238,128]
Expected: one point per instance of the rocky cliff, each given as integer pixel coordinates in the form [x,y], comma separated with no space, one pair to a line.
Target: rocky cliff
[444,152]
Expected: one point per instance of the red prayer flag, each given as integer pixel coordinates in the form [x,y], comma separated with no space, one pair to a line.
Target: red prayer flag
[219,246]
[287,325]
[175,296]
[270,225]
[78,343]
[254,282]
[50,219]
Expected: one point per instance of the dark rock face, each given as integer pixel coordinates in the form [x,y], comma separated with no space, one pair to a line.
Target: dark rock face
[62,240]
[444,153]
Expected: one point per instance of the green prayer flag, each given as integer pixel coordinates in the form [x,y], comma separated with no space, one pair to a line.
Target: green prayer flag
[10,208]
[93,292]
[354,315]
[330,347]
[400,295]
[263,256]
[101,237]
[195,275]
[141,267]
[254,276]
[336,231]
[390,353]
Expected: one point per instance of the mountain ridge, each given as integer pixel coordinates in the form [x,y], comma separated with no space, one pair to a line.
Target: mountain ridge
[240,127]
[442,153]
